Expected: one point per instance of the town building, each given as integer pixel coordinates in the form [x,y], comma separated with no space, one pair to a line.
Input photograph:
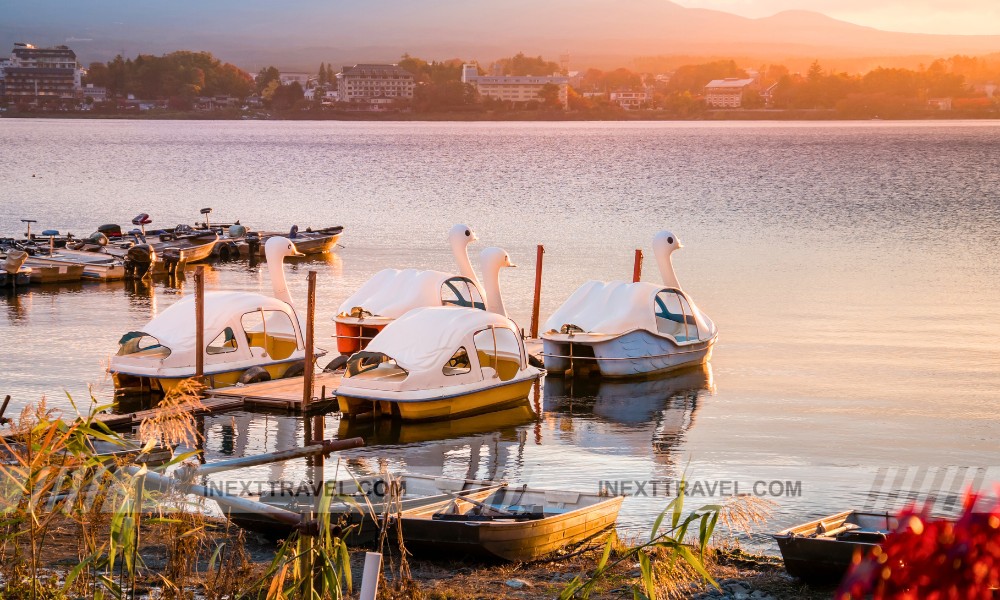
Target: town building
[629,99]
[33,74]
[517,89]
[299,78]
[375,87]
[97,93]
[727,93]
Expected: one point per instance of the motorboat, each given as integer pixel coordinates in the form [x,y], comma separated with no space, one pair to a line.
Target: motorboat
[621,329]
[438,363]
[823,549]
[102,267]
[391,293]
[249,338]
[309,241]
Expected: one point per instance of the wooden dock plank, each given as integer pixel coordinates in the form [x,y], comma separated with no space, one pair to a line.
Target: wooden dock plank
[284,394]
[280,394]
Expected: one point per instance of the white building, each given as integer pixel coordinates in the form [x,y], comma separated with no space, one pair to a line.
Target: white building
[41,73]
[518,89]
[630,100]
[299,78]
[377,86]
[727,93]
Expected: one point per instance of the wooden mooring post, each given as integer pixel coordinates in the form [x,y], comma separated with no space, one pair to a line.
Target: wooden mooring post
[199,322]
[637,266]
[536,303]
[310,359]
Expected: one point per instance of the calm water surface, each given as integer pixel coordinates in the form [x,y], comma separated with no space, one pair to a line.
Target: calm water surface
[851,267]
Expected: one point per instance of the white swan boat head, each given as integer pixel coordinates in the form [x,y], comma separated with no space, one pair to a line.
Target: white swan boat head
[391,293]
[630,329]
[246,335]
[438,363]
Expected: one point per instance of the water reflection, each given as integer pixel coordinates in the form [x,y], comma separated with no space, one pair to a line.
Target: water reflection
[635,416]
[390,431]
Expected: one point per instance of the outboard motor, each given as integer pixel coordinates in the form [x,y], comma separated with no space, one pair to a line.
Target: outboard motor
[139,260]
[294,232]
[253,244]
[98,239]
[111,230]
[237,231]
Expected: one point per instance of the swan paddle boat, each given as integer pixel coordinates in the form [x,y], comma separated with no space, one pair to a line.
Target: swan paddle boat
[629,329]
[442,362]
[249,337]
[390,293]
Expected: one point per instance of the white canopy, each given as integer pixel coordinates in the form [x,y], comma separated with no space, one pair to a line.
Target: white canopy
[391,293]
[616,307]
[424,339]
[175,326]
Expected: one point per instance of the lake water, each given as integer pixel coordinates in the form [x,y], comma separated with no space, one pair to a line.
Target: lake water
[852,269]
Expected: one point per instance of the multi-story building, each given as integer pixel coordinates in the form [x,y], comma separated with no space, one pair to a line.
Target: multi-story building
[375,86]
[629,99]
[727,93]
[518,89]
[41,73]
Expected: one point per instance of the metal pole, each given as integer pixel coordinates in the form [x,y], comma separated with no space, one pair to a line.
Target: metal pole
[637,268]
[320,448]
[199,316]
[538,291]
[307,373]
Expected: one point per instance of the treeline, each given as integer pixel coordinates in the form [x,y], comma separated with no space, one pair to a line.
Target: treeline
[882,91]
[179,75]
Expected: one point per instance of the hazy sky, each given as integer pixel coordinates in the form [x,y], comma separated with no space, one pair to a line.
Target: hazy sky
[918,16]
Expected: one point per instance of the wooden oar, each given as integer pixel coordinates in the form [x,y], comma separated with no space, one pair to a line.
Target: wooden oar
[483,505]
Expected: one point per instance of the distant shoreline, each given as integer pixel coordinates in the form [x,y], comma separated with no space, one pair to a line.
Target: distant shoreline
[519,116]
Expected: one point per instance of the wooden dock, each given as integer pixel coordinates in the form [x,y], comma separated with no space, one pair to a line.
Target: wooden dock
[282,394]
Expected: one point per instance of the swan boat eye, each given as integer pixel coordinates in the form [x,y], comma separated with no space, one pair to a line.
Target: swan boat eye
[670,240]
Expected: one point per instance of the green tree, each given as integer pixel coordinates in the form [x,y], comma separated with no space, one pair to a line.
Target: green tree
[321,77]
[519,64]
[549,95]
[266,76]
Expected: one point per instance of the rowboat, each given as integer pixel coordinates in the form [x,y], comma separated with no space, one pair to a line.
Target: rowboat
[512,523]
[360,502]
[822,550]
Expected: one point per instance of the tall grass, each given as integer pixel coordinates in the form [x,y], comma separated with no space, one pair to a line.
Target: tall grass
[677,544]
[56,485]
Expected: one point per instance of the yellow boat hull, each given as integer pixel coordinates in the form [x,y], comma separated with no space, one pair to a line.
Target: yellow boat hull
[437,409]
[165,385]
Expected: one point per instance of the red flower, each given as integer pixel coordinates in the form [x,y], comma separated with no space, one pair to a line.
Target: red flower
[932,559]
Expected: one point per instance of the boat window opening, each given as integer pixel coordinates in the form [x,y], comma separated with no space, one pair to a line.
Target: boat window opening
[270,333]
[458,364]
[224,343]
[674,316]
[460,291]
[499,349]
[137,343]
[374,365]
